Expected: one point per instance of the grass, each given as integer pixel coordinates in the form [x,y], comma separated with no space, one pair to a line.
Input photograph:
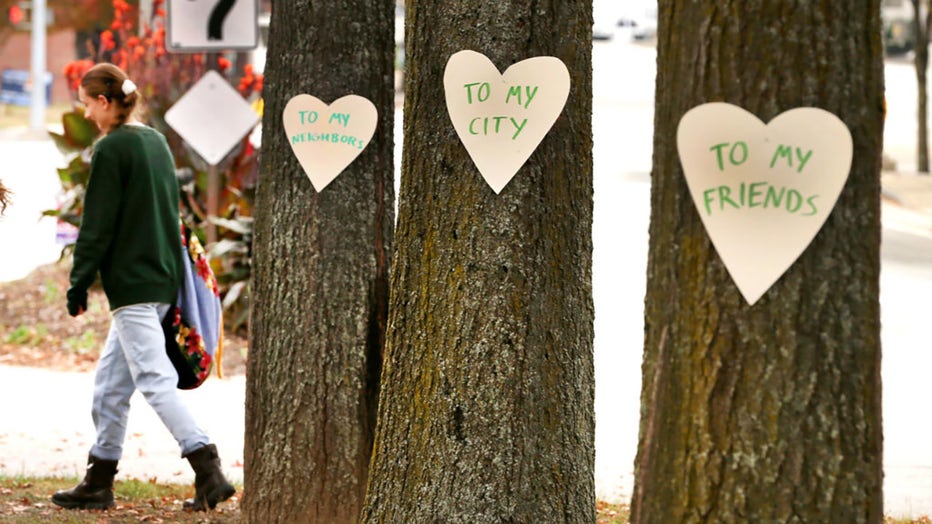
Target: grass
[607,513]
[25,500]
[28,335]
[84,344]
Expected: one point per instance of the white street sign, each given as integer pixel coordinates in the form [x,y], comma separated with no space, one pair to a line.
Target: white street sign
[212,117]
[212,25]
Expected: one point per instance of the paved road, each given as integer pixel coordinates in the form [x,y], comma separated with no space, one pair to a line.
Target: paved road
[29,172]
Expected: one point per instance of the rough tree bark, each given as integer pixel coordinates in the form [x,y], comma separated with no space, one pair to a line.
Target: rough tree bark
[769,413]
[320,274]
[921,60]
[486,412]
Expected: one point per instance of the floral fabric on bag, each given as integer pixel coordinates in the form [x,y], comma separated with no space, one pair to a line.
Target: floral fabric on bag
[193,326]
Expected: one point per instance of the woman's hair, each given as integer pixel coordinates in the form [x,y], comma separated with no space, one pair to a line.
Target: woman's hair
[4,197]
[108,80]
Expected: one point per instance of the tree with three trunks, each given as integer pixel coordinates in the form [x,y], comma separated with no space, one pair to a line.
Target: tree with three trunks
[319,289]
[486,413]
[770,412]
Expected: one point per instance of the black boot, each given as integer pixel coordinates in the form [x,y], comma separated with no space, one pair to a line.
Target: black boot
[95,491]
[210,486]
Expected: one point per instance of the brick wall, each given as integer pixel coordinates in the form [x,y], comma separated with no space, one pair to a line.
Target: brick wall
[15,54]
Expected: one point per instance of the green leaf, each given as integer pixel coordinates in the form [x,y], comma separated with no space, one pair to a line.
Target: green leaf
[64,147]
[79,131]
[242,225]
[70,218]
[80,171]
[225,246]
[64,175]
[233,294]
[76,173]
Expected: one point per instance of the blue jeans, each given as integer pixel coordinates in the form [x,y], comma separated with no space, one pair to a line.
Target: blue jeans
[134,358]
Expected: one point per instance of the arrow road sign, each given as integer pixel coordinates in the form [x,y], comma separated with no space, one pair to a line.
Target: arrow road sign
[212,25]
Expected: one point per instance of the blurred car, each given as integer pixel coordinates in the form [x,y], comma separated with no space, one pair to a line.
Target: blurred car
[399,25]
[399,37]
[602,30]
[898,35]
[640,22]
[604,15]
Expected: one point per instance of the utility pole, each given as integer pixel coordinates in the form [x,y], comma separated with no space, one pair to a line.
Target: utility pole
[145,13]
[39,102]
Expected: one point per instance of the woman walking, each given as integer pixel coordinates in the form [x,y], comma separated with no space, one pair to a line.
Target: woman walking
[130,236]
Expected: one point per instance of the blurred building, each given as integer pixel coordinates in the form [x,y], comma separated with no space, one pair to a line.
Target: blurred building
[16,45]
[74,29]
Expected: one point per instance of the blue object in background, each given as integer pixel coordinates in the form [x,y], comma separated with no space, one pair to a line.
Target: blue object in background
[15,87]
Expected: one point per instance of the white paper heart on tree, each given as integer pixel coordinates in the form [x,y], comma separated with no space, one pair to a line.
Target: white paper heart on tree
[325,138]
[501,118]
[763,191]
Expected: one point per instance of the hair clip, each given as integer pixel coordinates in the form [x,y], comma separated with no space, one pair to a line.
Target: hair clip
[128,87]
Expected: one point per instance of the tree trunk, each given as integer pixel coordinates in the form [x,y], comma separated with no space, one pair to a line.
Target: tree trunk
[771,412]
[320,274]
[486,412]
[921,29]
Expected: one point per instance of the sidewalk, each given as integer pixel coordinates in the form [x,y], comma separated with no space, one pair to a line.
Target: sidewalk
[46,427]
[29,172]
[908,191]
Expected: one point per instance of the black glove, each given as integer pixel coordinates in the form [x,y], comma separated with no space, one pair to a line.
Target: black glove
[77,301]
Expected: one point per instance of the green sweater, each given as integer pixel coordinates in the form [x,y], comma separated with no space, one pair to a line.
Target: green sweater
[129,230]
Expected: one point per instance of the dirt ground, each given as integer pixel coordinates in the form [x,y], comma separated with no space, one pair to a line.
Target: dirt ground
[36,330]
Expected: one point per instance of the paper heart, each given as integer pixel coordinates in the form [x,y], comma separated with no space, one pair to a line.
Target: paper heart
[325,138]
[763,191]
[501,118]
